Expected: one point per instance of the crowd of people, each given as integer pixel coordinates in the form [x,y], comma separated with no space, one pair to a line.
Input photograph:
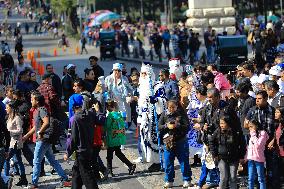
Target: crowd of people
[218,120]
[229,124]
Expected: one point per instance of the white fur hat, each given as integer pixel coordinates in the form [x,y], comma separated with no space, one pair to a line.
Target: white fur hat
[174,62]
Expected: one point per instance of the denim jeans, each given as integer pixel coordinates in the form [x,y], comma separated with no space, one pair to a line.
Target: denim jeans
[43,149]
[181,151]
[2,160]
[208,176]
[18,155]
[210,54]
[228,171]
[259,168]
[196,55]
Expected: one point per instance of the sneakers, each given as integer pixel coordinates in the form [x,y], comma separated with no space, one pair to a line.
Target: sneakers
[122,147]
[208,186]
[168,185]
[132,169]
[187,184]
[138,160]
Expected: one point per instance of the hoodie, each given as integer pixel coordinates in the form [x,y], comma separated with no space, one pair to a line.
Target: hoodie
[221,82]
[82,133]
[256,146]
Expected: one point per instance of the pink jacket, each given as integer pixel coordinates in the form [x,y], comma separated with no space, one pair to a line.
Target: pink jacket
[221,82]
[256,146]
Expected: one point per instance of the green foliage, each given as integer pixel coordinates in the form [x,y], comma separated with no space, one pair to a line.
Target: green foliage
[60,6]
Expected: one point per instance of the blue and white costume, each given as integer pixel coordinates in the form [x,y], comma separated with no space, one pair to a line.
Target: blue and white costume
[146,118]
[193,109]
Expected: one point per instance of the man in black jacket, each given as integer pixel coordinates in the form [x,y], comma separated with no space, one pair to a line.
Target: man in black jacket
[55,80]
[68,81]
[210,117]
[245,102]
[98,70]
[81,142]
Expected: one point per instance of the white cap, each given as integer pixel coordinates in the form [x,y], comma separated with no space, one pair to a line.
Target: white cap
[275,70]
[262,78]
[70,66]
[117,66]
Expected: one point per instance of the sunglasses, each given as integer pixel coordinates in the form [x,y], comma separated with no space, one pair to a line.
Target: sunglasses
[117,70]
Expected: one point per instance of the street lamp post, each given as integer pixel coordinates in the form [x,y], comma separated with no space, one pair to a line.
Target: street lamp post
[166,11]
[142,14]
[281,6]
[265,11]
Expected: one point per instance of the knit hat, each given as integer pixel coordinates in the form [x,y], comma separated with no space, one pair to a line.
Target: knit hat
[76,100]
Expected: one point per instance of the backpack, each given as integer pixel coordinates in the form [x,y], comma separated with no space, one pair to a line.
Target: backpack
[52,133]
[54,130]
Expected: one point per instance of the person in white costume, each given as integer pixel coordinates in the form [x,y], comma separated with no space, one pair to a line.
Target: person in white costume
[151,99]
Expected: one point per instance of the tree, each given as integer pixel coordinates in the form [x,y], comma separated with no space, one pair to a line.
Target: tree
[67,8]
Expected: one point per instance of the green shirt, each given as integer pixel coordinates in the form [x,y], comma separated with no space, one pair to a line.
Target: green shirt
[115,129]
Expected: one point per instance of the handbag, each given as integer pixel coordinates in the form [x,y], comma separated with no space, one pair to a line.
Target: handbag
[169,142]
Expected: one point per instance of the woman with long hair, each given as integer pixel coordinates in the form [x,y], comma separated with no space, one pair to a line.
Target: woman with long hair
[15,127]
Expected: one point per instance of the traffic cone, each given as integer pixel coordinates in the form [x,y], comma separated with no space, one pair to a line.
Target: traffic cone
[38,54]
[42,70]
[54,52]
[29,55]
[32,54]
[77,50]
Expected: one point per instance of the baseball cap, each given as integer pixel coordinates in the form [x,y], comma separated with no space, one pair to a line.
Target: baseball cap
[70,66]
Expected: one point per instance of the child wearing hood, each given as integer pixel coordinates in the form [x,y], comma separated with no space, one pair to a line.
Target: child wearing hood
[255,154]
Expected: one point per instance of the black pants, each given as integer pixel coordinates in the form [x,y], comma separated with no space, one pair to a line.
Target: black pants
[83,174]
[119,154]
[84,48]
[97,164]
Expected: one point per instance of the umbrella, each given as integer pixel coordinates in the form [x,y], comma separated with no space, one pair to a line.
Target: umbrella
[92,16]
[108,16]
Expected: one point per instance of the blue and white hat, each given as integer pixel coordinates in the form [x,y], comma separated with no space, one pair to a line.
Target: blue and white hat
[117,66]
